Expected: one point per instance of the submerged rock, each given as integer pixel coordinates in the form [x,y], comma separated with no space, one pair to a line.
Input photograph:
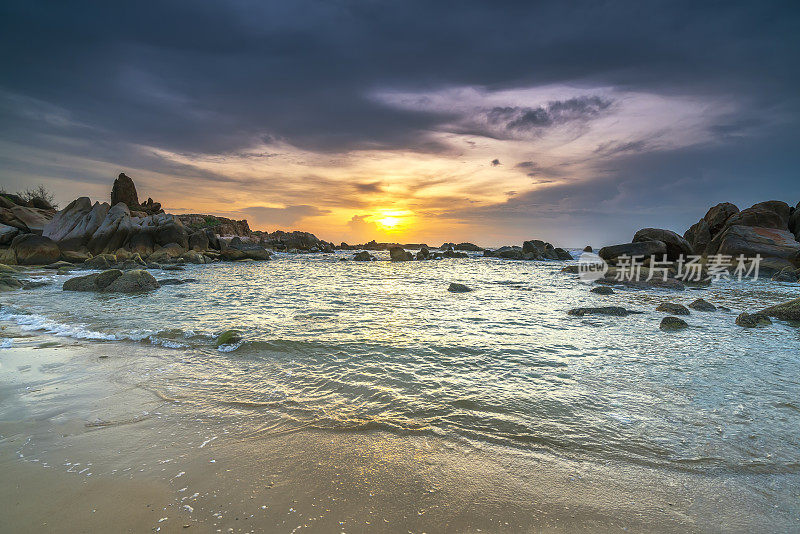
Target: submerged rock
[603,290]
[751,320]
[672,323]
[458,288]
[615,311]
[229,337]
[702,305]
[9,283]
[673,308]
[788,311]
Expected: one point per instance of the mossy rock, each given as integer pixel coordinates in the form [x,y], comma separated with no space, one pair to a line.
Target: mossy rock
[229,337]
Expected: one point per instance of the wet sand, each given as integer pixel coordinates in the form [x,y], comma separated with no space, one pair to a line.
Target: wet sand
[83,451]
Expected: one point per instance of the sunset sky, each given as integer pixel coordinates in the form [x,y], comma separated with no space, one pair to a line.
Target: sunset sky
[412,121]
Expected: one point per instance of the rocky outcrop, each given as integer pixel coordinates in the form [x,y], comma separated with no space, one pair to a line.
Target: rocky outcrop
[756,240]
[363,256]
[238,249]
[676,245]
[219,225]
[643,249]
[32,249]
[124,191]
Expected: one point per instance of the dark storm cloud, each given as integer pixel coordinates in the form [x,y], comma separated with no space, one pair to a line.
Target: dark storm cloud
[556,112]
[100,80]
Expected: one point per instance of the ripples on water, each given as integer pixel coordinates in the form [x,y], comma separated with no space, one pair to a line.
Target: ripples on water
[350,346]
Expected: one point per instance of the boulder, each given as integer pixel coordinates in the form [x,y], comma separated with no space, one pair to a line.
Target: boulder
[73,227]
[643,249]
[676,245]
[670,323]
[142,243]
[458,288]
[424,254]
[32,249]
[92,282]
[794,222]
[701,233]
[673,308]
[588,248]
[167,253]
[198,241]
[8,233]
[34,219]
[471,247]
[363,256]
[171,232]
[751,320]
[702,305]
[755,240]
[450,253]
[788,311]
[124,191]
[400,254]
[113,231]
[213,240]
[788,274]
[615,311]
[771,214]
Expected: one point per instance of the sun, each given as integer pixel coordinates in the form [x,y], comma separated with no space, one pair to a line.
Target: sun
[389,222]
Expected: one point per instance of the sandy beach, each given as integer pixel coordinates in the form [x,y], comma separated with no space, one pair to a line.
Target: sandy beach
[83,450]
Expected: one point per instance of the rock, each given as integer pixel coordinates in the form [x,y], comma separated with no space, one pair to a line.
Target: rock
[772,214]
[751,320]
[673,308]
[142,243]
[7,233]
[400,254]
[512,253]
[113,232]
[788,311]
[34,219]
[7,269]
[192,256]
[172,268]
[672,323]
[562,254]
[588,248]
[32,249]
[92,282]
[471,247]
[229,337]
[424,254]
[167,253]
[788,274]
[34,284]
[198,241]
[75,256]
[755,240]
[171,232]
[171,282]
[100,262]
[124,191]
[134,281]
[458,288]
[58,265]
[363,256]
[603,290]
[655,283]
[571,269]
[9,283]
[794,222]
[453,254]
[615,311]
[213,240]
[644,249]
[237,249]
[701,233]
[676,245]
[702,305]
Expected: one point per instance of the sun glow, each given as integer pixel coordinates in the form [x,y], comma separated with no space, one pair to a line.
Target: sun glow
[389,222]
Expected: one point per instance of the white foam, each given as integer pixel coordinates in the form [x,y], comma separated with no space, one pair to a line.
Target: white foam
[35,322]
